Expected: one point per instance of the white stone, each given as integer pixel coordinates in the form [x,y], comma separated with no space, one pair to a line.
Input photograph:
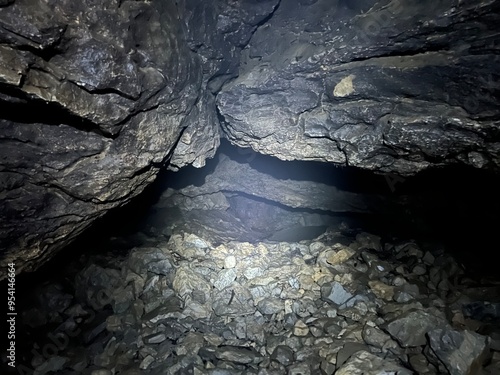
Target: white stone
[230,261]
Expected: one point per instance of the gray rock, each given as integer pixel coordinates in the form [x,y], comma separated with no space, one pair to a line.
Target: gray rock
[230,261]
[121,299]
[146,362]
[274,106]
[190,344]
[234,302]
[410,329]
[494,367]
[53,298]
[237,355]
[406,293]
[335,293]
[233,176]
[155,338]
[52,364]
[375,337]
[365,363]
[333,326]
[462,352]
[368,241]
[299,369]
[101,371]
[483,311]
[225,278]
[153,260]
[421,365]
[270,306]
[188,283]
[283,354]
[348,350]
[95,286]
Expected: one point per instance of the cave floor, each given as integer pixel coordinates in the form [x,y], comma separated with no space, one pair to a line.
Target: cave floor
[347,302]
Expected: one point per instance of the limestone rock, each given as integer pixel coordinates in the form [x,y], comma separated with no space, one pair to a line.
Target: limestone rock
[411,328]
[365,363]
[462,352]
[335,293]
[340,94]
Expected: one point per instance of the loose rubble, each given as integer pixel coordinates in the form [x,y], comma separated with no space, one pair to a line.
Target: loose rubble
[340,304]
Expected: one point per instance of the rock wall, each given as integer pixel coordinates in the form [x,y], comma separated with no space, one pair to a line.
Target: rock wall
[392,86]
[95,97]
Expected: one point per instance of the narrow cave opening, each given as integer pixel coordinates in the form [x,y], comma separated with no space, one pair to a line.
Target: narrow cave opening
[254,263]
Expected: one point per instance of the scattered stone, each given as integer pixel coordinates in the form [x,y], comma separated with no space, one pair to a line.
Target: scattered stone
[300,329]
[410,329]
[101,371]
[365,363]
[382,290]
[335,293]
[482,310]
[237,355]
[336,256]
[230,262]
[190,344]
[348,350]
[299,369]
[462,352]
[421,365]
[53,364]
[146,362]
[283,354]
[278,310]
[406,293]
[375,337]
[419,270]
[428,258]
[270,306]
[155,338]
[225,278]
[368,241]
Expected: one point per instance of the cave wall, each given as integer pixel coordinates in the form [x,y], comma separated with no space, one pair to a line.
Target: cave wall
[97,96]
[392,86]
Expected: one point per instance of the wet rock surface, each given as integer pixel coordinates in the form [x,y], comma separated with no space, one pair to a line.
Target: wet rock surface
[185,306]
[88,114]
[95,98]
[386,86]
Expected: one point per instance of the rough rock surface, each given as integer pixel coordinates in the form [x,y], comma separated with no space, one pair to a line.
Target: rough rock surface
[253,197]
[95,97]
[393,86]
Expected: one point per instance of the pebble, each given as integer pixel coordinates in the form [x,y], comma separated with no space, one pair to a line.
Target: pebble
[230,262]
[300,329]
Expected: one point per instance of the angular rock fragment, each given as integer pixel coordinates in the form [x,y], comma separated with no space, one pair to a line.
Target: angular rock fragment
[411,328]
[365,363]
[461,352]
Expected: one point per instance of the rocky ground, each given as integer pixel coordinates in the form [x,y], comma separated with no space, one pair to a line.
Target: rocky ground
[347,302]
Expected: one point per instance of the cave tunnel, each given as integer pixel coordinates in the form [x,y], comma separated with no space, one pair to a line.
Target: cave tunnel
[250,187]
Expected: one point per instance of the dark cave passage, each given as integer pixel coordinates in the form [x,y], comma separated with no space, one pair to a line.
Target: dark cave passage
[318,265]
[441,222]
